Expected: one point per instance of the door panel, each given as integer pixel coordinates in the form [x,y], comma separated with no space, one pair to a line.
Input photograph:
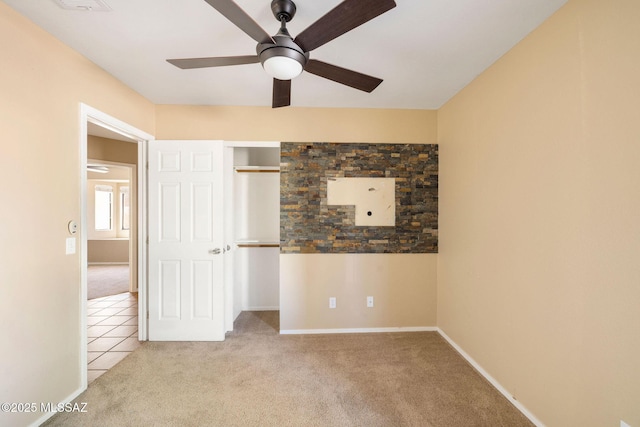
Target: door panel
[169,213]
[169,288]
[186,288]
[202,279]
[202,212]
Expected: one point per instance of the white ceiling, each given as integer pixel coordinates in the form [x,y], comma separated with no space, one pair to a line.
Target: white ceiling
[425,50]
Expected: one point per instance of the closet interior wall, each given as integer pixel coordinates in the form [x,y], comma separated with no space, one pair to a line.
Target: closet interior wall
[256,228]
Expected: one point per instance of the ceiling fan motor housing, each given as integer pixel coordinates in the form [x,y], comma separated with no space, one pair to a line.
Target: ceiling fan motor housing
[284,47]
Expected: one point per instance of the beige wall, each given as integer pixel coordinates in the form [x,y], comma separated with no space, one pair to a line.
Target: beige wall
[42,83]
[296,124]
[112,150]
[108,251]
[403,287]
[538,271]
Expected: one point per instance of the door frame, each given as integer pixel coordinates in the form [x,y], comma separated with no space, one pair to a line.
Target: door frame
[95,116]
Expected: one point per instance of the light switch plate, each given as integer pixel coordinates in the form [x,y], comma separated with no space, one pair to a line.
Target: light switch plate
[71,245]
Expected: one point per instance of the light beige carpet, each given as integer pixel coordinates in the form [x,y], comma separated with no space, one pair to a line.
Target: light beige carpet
[260,378]
[106,280]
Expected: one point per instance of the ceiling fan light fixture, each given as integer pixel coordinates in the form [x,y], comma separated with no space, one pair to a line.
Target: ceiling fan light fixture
[282,67]
[283,60]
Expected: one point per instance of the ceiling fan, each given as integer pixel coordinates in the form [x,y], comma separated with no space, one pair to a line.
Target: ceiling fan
[284,57]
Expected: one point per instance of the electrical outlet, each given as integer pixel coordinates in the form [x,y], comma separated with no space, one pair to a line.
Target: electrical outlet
[332,302]
[369,301]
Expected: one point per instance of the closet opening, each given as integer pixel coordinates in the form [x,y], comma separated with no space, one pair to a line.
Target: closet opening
[256,229]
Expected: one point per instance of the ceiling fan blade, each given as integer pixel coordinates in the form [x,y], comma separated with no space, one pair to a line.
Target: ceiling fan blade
[239,17]
[343,18]
[219,61]
[342,75]
[281,93]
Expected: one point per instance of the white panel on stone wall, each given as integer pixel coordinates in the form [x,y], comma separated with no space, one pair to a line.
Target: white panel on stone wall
[374,199]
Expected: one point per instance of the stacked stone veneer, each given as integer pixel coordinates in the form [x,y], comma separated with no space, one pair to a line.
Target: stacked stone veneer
[309,225]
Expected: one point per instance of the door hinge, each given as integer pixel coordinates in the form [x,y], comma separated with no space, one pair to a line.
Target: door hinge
[147,315]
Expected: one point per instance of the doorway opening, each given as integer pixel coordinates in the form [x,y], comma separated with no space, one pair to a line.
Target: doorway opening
[112,226]
[112,289]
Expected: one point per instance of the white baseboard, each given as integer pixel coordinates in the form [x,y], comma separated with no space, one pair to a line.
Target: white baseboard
[262,308]
[107,263]
[492,380]
[358,330]
[48,415]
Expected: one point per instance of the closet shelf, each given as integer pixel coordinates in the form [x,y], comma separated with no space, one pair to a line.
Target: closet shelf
[257,169]
[257,244]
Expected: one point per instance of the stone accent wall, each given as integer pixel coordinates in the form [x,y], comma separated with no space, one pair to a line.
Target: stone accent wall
[309,225]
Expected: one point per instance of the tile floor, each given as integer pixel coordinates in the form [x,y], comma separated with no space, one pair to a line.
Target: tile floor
[112,331]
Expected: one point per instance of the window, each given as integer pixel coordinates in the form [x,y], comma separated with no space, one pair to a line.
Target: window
[124,208]
[104,207]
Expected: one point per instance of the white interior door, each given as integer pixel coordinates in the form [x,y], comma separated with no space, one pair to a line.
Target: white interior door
[186,235]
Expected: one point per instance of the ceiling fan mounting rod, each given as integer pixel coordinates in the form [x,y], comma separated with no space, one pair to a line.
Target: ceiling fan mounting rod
[283,28]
